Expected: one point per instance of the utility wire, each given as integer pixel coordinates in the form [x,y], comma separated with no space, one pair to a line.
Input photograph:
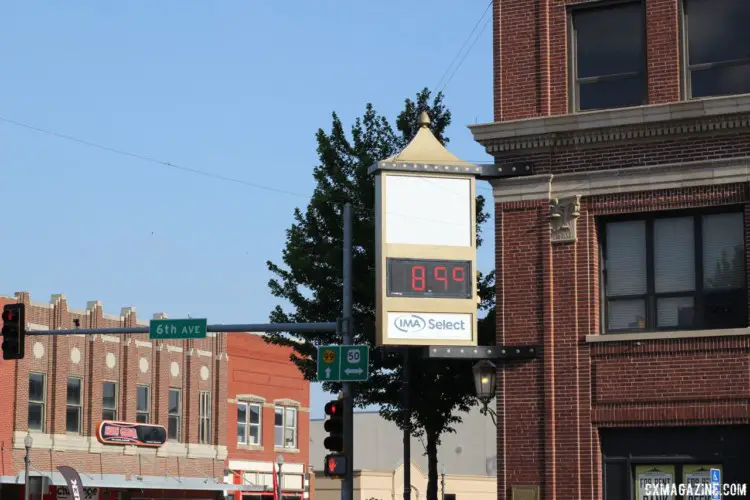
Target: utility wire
[160,162]
[486,23]
[458,54]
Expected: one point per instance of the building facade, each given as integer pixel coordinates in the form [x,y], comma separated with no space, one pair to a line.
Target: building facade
[624,255]
[66,386]
[468,457]
[268,418]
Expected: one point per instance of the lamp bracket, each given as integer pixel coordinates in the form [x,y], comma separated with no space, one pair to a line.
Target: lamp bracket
[495,353]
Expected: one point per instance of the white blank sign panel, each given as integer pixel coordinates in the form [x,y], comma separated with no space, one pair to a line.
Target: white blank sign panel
[428,211]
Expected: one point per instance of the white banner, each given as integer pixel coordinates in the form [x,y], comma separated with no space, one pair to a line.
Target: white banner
[437,326]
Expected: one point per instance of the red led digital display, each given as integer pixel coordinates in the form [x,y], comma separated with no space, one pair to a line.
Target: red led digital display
[429,278]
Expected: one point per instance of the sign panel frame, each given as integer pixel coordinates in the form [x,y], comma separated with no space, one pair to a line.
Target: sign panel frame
[388,304]
[129,440]
[343,363]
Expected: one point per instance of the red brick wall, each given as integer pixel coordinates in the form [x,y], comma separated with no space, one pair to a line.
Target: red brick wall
[265,370]
[56,363]
[531,56]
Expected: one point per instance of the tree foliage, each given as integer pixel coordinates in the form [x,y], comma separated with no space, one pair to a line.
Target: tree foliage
[311,278]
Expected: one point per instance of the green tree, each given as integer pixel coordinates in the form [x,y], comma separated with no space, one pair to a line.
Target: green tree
[311,279]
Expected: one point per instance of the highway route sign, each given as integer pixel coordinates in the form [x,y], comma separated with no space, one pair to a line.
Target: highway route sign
[343,363]
[169,329]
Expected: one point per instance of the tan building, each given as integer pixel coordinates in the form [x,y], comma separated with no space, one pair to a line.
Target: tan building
[468,455]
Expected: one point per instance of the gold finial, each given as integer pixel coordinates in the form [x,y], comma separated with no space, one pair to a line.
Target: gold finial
[424,119]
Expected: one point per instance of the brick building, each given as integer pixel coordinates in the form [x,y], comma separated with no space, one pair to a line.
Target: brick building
[268,416]
[624,255]
[67,385]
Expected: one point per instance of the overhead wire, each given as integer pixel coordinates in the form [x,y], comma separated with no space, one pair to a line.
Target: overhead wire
[486,23]
[460,50]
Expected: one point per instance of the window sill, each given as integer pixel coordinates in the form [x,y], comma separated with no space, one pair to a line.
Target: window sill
[250,447]
[625,337]
[276,449]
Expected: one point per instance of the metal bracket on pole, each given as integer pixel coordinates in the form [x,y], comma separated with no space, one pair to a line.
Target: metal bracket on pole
[497,353]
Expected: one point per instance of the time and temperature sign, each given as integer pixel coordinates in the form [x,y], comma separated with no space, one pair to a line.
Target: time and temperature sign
[449,279]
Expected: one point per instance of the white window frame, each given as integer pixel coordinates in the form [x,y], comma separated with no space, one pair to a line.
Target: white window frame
[147,412]
[204,417]
[42,404]
[284,426]
[79,406]
[249,425]
[177,416]
[117,394]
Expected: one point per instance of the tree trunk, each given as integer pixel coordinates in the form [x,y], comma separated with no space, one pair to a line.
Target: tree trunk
[432,466]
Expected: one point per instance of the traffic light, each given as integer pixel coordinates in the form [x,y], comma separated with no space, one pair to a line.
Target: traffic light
[334,426]
[335,466]
[14,331]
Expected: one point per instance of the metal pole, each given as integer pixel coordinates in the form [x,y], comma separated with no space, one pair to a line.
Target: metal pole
[442,483]
[281,483]
[407,425]
[250,327]
[27,485]
[347,487]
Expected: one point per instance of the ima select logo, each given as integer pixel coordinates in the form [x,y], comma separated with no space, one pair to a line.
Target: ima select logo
[410,323]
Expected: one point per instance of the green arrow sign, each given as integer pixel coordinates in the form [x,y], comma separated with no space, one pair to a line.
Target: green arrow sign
[343,363]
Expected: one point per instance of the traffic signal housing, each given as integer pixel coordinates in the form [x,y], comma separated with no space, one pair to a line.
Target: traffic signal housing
[334,426]
[14,331]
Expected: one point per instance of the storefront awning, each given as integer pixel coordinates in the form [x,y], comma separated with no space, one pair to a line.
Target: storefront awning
[143,482]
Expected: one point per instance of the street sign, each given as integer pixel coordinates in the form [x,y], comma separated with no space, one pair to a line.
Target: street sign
[715,484]
[343,363]
[426,252]
[169,329]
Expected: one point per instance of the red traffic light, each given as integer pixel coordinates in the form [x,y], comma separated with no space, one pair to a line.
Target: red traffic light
[7,315]
[334,408]
[335,466]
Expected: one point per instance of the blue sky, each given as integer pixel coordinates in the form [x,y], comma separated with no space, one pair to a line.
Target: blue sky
[234,88]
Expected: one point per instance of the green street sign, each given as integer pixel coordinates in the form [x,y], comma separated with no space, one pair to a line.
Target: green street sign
[343,363]
[168,329]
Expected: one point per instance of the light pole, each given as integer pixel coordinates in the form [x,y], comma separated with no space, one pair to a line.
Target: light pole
[27,442]
[442,481]
[485,377]
[280,462]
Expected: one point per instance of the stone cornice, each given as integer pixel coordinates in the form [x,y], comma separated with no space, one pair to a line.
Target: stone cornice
[623,180]
[658,120]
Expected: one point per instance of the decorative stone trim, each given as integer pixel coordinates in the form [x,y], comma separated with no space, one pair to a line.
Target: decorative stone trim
[250,447]
[249,398]
[564,214]
[41,440]
[172,449]
[110,338]
[143,343]
[658,120]
[276,449]
[623,180]
[690,334]
[287,402]
[205,354]
[173,348]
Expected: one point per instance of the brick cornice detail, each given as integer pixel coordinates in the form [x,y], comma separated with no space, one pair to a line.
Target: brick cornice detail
[642,122]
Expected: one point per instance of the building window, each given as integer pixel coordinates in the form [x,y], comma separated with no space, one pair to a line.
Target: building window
[37,398]
[142,404]
[73,410]
[204,417]
[248,423]
[109,401]
[608,55]
[676,272]
[717,47]
[285,427]
[175,415]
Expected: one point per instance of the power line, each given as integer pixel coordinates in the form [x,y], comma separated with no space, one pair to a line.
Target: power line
[460,50]
[160,162]
[467,52]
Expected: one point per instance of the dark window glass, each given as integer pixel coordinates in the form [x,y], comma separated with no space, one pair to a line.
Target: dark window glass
[143,404]
[242,423]
[36,409]
[174,419]
[615,480]
[659,274]
[609,56]
[109,401]
[718,46]
[73,409]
